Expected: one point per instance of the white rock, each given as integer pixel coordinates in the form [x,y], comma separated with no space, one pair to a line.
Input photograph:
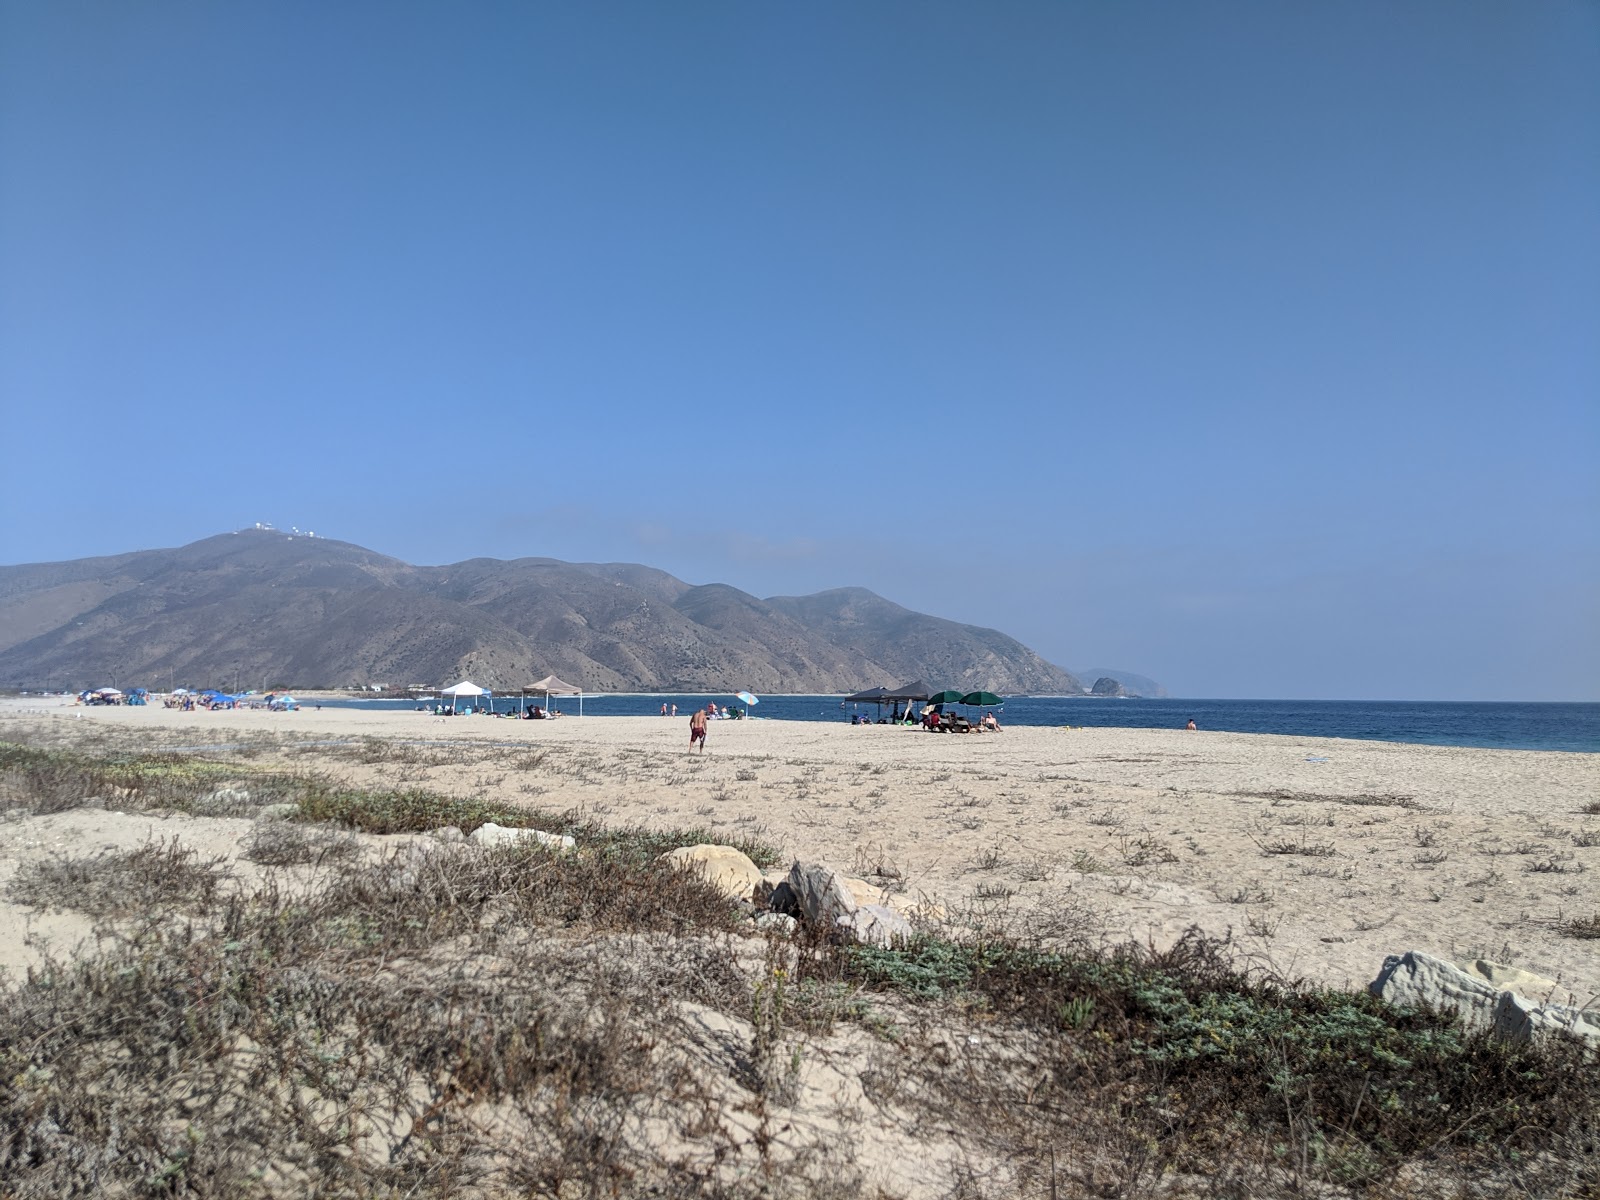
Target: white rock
[221,799]
[725,868]
[877,925]
[1414,980]
[780,922]
[1519,1019]
[490,834]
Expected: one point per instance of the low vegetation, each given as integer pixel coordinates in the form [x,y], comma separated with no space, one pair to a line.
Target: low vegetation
[159,876]
[436,1020]
[43,781]
[1582,927]
[1196,1060]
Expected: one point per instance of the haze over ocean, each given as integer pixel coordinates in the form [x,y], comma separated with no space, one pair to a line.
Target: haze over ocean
[1248,346]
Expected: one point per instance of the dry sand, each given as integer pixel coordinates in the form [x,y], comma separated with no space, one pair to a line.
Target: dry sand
[1319,869]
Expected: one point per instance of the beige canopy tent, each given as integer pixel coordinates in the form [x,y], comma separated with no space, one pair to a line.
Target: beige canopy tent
[549,686]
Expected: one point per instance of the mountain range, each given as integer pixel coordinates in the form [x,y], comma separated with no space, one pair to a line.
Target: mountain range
[258,607]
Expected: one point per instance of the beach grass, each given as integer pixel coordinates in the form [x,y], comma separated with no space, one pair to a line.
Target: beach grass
[368,1011]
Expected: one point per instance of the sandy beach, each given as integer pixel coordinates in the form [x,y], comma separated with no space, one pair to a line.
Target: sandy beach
[1320,856]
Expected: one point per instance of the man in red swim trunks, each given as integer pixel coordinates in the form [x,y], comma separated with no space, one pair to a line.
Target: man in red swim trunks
[697,729]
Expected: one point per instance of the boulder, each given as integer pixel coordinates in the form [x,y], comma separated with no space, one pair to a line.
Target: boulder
[825,898]
[877,925]
[1518,1018]
[1415,980]
[490,834]
[776,922]
[1513,978]
[448,834]
[725,868]
[870,893]
[862,891]
[820,894]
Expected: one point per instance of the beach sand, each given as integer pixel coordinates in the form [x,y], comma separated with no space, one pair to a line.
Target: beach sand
[1318,869]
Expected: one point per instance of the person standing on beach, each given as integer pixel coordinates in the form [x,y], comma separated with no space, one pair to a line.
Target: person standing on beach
[663,710]
[674,710]
[697,729]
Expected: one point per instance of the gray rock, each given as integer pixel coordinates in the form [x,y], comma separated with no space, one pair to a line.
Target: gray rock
[776,922]
[490,834]
[1415,980]
[277,812]
[823,897]
[447,833]
[820,894]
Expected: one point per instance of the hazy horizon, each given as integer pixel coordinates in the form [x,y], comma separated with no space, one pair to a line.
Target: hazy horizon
[1250,348]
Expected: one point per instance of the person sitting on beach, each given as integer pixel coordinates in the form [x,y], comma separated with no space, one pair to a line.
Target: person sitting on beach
[990,725]
[1191,724]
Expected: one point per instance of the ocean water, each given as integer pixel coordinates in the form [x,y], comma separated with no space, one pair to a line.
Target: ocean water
[1496,725]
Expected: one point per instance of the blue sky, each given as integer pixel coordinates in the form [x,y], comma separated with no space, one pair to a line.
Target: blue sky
[1249,345]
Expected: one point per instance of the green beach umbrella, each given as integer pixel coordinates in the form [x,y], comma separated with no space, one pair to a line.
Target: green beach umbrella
[982,700]
[948,696]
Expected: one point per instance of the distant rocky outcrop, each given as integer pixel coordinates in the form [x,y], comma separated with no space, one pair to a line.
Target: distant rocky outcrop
[258,608]
[1107,686]
[1132,684]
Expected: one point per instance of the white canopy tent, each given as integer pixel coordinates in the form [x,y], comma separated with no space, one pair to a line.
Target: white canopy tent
[465,689]
[550,685]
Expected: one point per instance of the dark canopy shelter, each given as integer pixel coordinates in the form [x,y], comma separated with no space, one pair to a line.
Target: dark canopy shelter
[870,696]
[917,689]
